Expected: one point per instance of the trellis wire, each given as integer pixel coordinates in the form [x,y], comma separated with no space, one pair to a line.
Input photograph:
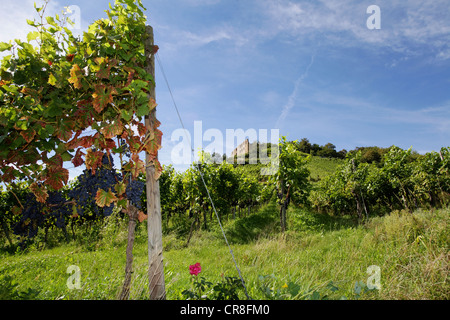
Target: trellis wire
[201,174]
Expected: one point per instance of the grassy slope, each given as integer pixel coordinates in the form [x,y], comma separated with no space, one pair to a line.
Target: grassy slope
[411,250]
[322,167]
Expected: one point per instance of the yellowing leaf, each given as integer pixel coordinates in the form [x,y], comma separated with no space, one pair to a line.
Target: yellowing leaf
[93,160]
[153,144]
[138,166]
[120,188]
[158,169]
[112,130]
[105,198]
[152,104]
[103,95]
[76,75]
[52,79]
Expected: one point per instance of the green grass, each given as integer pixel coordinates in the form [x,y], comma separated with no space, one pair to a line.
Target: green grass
[412,251]
[322,167]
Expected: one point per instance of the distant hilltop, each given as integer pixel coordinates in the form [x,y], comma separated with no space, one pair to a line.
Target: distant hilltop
[371,154]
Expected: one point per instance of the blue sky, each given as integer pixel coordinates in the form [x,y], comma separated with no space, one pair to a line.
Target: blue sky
[310,68]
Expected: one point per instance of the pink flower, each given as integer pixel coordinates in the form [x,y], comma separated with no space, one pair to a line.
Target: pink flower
[195,269]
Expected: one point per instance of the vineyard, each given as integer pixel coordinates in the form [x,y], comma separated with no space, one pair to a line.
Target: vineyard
[55,89]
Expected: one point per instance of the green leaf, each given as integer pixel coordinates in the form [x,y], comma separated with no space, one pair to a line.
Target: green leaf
[66,156]
[143,110]
[122,203]
[51,21]
[53,111]
[31,23]
[32,36]
[5,46]
[126,115]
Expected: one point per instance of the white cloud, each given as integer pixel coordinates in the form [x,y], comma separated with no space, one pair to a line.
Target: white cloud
[406,26]
[14,15]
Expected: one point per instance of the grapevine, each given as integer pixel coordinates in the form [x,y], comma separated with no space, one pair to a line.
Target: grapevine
[54,87]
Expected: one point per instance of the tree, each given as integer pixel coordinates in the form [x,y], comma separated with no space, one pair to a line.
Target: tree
[304,146]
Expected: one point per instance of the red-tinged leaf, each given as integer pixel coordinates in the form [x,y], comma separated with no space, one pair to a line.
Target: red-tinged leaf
[134,144]
[125,134]
[86,142]
[153,145]
[78,160]
[101,60]
[142,217]
[107,144]
[105,67]
[105,198]
[93,160]
[40,192]
[112,130]
[64,130]
[158,169]
[154,49]
[76,74]
[8,174]
[16,210]
[64,135]
[135,157]
[138,168]
[55,161]
[70,57]
[28,135]
[152,104]
[131,74]
[104,72]
[103,96]
[120,188]
[75,142]
[142,130]
[57,177]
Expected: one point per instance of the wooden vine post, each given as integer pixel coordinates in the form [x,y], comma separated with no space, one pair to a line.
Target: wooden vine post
[156,267]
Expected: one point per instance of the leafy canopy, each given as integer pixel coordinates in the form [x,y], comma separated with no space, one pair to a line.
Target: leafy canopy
[54,87]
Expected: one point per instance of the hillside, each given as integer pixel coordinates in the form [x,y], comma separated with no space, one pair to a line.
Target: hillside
[320,257]
[322,167]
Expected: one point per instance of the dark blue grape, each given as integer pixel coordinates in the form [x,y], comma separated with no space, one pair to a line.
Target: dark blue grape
[134,192]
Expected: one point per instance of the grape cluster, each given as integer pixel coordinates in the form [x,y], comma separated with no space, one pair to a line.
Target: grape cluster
[33,215]
[88,184]
[59,206]
[134,192]
[31,219]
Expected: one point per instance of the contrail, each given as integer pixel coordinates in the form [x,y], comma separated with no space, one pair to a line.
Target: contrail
[291,100]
